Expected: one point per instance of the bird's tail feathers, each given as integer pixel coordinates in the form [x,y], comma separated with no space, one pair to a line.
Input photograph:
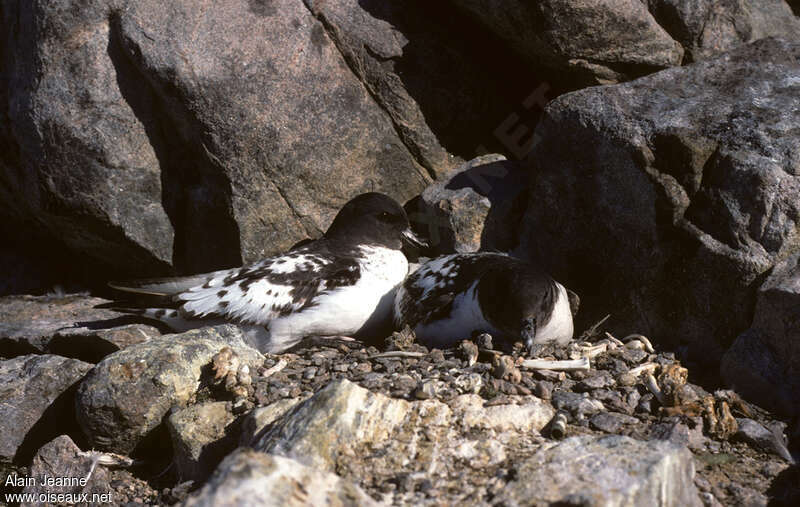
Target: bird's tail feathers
[160,286]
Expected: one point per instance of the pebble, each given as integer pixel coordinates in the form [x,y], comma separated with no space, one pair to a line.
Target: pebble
[611,422]
[484,341]
[575,403]
[646,404]
[543,389]
[761,438]
[469,383]
[598,380]
[427,389]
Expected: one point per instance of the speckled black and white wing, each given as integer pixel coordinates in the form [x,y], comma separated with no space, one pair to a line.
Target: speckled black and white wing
[450,298]
[255,294]
[311,291]
[439,300]
[262,292]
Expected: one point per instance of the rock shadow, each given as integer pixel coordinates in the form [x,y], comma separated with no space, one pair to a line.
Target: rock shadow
[57,419]
[466,81]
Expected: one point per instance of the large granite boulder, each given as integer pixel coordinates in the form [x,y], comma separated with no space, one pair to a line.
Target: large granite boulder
[595,42]
[611,471]
[708,27]
[77,161]
[123,400]
[764,361]
[666,201]
[277,131]
[180,133]
[590,42]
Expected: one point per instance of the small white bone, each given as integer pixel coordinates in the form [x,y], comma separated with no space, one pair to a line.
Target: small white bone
[646,367]
[652,386]
[548,364]
[281,364]
[641,338]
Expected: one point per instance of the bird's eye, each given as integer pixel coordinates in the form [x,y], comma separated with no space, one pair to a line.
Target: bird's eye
[385,216]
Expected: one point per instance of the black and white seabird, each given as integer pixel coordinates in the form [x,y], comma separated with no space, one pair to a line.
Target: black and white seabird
[341,284]
[449,298]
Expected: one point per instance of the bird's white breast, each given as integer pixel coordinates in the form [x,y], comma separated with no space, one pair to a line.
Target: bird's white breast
[465,318]
[559,327]
[353,308]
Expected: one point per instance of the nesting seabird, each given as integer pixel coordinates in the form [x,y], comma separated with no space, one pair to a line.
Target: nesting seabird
[450,298]
[342,284]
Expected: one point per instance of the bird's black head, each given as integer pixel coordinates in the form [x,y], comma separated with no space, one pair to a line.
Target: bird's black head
[372,218]
[516,298]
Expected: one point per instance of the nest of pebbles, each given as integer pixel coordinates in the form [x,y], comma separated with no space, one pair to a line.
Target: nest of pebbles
[598,385]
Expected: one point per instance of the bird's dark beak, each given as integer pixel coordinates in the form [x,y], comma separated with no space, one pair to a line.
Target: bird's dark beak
[528,332]
[413,239]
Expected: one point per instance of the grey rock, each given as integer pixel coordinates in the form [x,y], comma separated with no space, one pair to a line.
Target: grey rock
[578,404]
[599,380]
[92,345]
[707,27]
[78,163]
[170,135]
[597,42]
[36,394]
[632,399]
[63,325]
[126,396]
[543,389]
[761,438]
[260,162]
[371,36]
[682,165]
[202,435]
[646,404]
[62,459]
[428,389]
[259,420]
[742,495]
[777,314]
[612,400]
[609,471]
[529,415]
[762,364]
[611,422]
[470,383]
[443,79]
[681,434]
[476,207]
[750,367]
[247,477]
[339,417]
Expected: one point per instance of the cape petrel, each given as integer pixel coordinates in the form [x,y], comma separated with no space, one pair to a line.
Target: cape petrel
[341,284]
[449,298]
